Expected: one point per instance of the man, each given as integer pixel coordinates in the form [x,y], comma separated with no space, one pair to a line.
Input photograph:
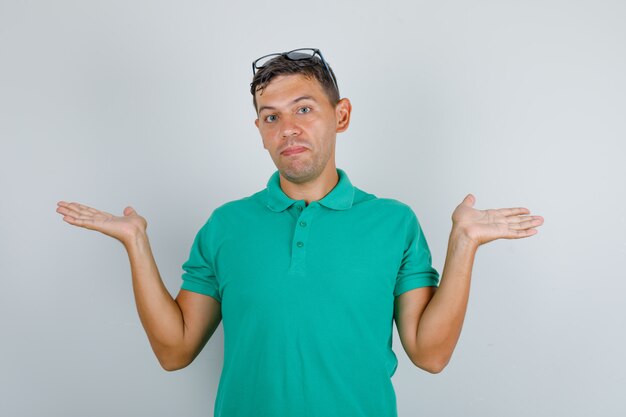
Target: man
[309,273]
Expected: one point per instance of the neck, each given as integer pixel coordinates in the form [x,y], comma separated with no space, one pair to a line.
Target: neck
[313,190]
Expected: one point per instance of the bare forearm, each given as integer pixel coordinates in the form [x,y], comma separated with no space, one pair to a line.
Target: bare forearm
[440,325]
[159,313]
[432,336]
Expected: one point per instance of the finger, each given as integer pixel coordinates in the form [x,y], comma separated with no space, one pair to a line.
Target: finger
[521,219]
[527,224]
[469,200]
[75,211]
[513,211]
[519,234]
[73,206]
[81,222]
[86,209]
[63,204]
[71,209]
[66,209]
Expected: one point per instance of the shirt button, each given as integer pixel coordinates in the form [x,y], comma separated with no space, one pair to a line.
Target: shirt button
[303,223]
[300,244]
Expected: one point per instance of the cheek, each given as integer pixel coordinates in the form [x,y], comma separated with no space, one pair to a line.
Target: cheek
[268,132]
[269,141]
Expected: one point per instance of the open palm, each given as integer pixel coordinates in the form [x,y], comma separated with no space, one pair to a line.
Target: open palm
[123,228]
[483,226]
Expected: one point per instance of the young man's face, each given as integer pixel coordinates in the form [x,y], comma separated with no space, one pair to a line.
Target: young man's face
[299,126]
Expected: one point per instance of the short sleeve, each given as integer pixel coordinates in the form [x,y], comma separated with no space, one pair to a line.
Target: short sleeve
[199,270]
[416,267]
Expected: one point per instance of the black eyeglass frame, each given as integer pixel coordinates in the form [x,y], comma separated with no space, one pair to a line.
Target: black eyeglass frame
[309,56]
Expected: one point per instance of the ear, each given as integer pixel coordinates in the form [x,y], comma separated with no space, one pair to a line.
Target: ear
[343,109]
[256,123]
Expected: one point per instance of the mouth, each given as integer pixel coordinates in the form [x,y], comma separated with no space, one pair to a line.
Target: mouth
[293,150]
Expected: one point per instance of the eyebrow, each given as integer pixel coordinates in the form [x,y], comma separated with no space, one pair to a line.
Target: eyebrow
[293,102]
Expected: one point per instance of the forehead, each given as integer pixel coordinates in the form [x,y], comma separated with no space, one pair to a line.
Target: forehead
[283,89]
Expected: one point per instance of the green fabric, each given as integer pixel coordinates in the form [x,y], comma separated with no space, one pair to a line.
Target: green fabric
[307,297]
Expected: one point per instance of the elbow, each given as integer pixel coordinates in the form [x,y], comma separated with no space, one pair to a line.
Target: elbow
[172,362]
[434,368]
[433,364]
[171,366]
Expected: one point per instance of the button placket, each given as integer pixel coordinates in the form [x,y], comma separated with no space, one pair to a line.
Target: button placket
[300,238]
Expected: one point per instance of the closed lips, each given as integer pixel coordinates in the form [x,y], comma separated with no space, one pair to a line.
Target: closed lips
[293,149]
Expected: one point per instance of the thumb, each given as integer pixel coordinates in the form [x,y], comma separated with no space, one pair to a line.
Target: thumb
[469,200]
[129,211]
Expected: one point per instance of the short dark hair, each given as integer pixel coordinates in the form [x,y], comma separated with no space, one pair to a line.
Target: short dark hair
[310,68]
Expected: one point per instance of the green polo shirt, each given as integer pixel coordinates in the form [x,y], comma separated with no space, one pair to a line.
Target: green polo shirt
[307,296]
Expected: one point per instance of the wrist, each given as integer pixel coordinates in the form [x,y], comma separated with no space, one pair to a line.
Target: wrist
[138,239]
[460,238]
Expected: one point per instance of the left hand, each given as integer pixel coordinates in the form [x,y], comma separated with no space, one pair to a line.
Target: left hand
[483,226]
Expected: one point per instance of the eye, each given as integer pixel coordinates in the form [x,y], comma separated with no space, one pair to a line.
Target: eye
[304,109]
[271,118]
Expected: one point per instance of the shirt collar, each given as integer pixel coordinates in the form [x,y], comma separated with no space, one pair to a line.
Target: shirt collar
[340,197]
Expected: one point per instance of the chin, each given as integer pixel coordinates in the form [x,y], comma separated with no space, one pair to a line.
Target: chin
[299,176]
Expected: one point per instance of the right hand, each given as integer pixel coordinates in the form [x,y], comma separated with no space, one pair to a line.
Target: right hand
[124,229]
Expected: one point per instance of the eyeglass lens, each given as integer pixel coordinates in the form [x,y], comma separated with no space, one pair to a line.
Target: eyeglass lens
[293,55]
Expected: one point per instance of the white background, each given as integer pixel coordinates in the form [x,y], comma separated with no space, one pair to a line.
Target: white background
[117,103]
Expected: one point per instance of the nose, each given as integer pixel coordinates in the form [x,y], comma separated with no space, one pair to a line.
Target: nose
[289,127]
